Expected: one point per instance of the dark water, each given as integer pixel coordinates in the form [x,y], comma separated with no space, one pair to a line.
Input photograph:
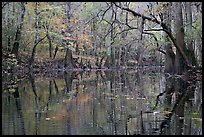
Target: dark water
[110,103]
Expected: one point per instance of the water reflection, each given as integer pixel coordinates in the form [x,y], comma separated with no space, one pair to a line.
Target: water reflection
[110,103]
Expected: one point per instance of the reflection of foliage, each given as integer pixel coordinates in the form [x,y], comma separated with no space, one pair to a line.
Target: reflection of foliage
[197,121]
[94,101]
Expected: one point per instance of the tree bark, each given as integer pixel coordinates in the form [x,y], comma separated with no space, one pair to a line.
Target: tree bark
[110,60]
[32,59]
[169,56]
[68,60]
[94,34]
[18,32]
[50,44]
[180,63]
[189,44]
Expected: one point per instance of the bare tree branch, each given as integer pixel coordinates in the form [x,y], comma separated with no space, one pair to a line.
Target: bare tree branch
[43,10]
[138,14]
[123,31]
[165,28]
[97,15]
[40,40]
[154,30]
[4,4]
[159,49]
[105,12]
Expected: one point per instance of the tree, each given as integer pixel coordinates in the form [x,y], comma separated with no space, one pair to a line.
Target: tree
[46,26]
[18,31]
[182,60]
[189,42]
[123,35]
[68,60]
[180,63]
[110,60]
[169,56]
[37,40]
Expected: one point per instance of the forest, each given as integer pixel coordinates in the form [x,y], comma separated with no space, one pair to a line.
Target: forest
[101,35]
[102,44]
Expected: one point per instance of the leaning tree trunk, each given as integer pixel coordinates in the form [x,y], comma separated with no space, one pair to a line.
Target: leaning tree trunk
[18,32]
[180,63]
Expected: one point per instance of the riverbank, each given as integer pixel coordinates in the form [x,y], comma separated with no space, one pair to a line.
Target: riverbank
[19,67]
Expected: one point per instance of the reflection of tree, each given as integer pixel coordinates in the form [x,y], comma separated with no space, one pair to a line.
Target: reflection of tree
[19,112]
[180,91]
[113,106]
[57,90]
[111,81]
[170,88]
[37,99]
[94,102]
[113,98]
[188,121]
[122,85]
[140,82]
[68,77]
[123,79]
[49,98]
[77,88]
[141,95]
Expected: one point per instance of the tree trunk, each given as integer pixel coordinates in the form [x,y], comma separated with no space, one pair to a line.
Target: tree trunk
[110,60]
[18,32]
[9,37]
[56,49]
[182,55]
[32,59]
[124,56]
[189,44]
[113,44]
[50,44]
[122,48]
[180,63]
[198,45]
[68,60]
[94,34]
[46,27]
[77,45]
[169,56]
[121,58]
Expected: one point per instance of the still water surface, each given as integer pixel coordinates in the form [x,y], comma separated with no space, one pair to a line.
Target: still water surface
[103,103]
